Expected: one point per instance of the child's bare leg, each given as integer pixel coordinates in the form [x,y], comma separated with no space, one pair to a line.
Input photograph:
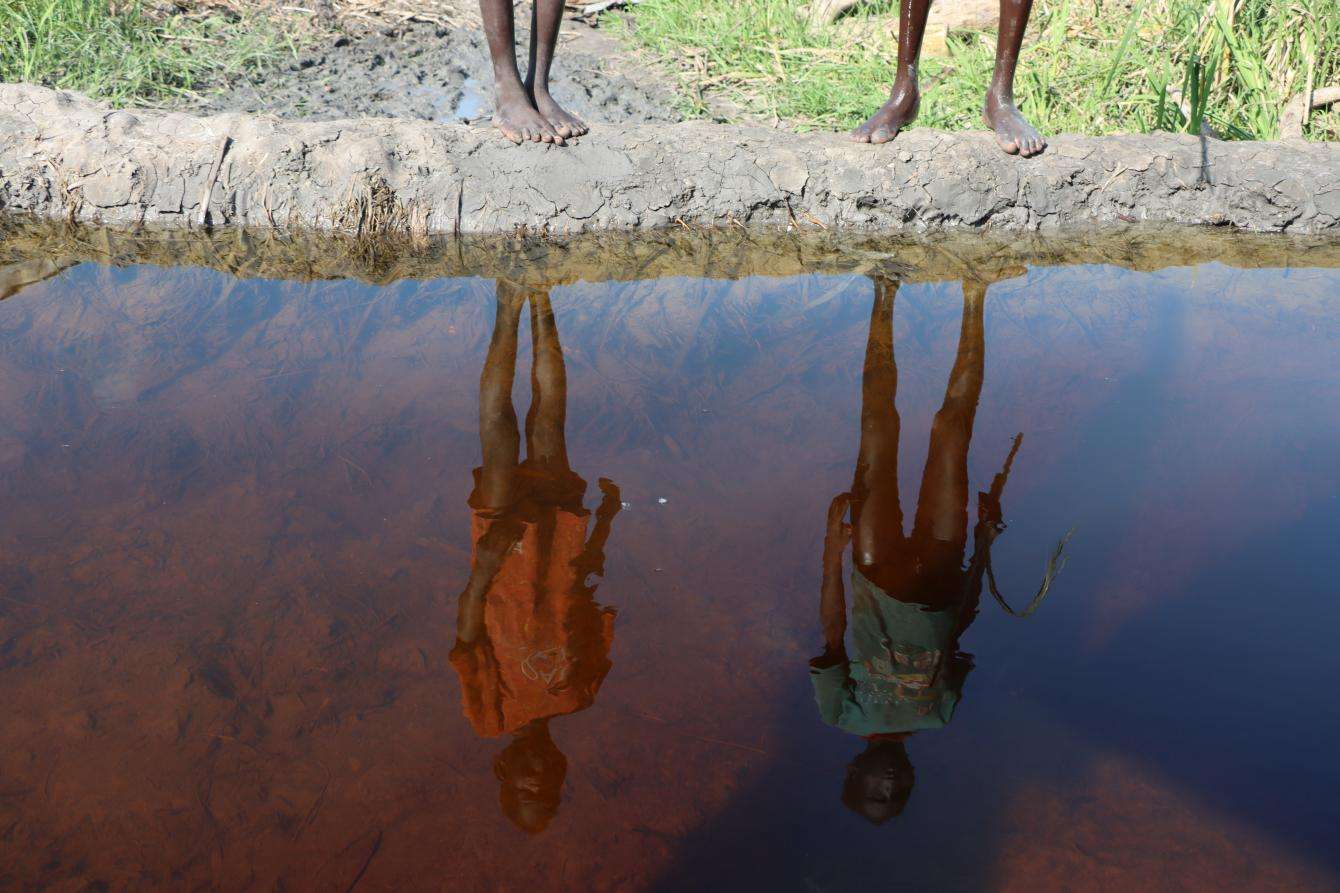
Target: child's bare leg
[545,18]
[513,112]
[877,522]
[942,505]
[499,439]
[901,108]
[1014,134]
[546,441]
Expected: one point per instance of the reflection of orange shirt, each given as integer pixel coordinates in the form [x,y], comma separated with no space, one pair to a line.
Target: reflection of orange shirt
[546,645]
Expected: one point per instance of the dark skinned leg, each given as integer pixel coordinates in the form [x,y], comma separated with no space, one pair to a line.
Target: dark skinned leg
[901,108]
[877,515]
[513,112]
[1015,135]
[942,505]
[546,441]
[499,439]
[545,18]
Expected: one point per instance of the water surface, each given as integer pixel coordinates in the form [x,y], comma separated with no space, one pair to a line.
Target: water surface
[290,597]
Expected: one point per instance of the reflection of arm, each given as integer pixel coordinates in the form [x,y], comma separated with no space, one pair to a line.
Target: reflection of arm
[832,601]
[492,547]
[828,671]
[592,559]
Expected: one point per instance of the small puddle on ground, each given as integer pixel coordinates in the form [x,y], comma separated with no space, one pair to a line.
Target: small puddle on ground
[279,604]
[468,104]
[472,101]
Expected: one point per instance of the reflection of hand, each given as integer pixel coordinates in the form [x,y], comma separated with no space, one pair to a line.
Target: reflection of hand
[612,501]
[839,532]
[989,511]
[497,541]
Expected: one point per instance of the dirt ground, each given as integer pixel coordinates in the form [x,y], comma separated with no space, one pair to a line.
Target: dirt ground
[432,64]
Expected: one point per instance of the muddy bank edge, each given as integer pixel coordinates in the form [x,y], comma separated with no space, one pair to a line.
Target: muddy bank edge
[66,157]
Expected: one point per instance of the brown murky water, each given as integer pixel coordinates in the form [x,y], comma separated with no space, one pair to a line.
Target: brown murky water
[289,597]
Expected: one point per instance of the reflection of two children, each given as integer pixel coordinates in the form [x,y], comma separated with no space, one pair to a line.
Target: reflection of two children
[532,643]
[912,596]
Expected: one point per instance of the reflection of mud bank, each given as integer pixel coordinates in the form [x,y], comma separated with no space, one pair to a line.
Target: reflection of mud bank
[26,246]
[63,156]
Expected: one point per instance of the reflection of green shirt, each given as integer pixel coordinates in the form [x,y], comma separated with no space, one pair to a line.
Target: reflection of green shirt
[903,674]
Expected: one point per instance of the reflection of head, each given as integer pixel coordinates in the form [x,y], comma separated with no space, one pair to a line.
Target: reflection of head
[879,781]
[531,769]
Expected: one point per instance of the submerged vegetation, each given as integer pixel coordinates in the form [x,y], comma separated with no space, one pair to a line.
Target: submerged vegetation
[120,53]
[1089,66]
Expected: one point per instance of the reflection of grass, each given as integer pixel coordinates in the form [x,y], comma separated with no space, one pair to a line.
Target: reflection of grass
[115,51]
[1092,66]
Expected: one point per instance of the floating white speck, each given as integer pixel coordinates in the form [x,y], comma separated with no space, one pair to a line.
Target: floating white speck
[661,499]
[626,505]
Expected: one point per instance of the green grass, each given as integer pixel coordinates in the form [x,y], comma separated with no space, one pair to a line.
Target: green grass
[1088,66]
[119,53]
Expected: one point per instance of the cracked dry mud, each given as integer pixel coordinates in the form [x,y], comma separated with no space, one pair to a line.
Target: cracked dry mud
[437,73]
[64,156]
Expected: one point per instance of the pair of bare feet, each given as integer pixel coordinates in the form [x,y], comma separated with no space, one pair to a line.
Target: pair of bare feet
[1013,132]
[530,114]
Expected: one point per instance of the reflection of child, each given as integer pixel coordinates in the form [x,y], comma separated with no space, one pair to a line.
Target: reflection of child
[904,673]
[912,598]
[544,651]
[531,641]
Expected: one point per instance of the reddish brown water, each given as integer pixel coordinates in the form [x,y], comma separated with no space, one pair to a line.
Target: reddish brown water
[236,534]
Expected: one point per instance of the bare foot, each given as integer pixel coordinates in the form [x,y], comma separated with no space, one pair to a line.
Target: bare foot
[564,124]
[519,121]
[892,117]
[1014,134]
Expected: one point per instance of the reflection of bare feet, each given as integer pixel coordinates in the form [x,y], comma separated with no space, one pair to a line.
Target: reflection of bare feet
[564,124]
[892,117]
[519,121]
[1015,135]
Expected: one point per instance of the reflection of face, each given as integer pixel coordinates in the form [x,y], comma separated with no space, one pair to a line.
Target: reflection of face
[879,781]
[531,769]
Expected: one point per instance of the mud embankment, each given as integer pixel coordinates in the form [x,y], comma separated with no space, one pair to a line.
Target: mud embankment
[66,157]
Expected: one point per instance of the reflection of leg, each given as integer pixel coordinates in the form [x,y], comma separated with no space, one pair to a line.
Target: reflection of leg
[545,439]
[498,436]
[942,506]
[878,521]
